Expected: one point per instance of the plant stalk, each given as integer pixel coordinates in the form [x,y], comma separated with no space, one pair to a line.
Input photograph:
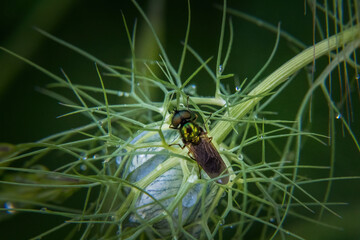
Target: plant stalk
[223,128]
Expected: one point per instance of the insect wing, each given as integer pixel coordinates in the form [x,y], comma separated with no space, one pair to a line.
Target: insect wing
[209,159]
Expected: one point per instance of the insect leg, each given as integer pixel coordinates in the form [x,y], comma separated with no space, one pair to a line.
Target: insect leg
[199,170]
[182,147]
[191,156]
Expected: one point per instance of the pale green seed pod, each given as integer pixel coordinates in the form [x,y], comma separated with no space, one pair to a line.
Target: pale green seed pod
[179,196]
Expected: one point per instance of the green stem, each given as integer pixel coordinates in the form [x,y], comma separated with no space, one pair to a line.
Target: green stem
[223,128]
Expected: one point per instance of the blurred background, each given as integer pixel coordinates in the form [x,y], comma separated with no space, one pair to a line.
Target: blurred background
[96,27]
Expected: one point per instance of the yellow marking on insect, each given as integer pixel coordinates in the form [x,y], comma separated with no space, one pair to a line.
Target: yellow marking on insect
[191,132]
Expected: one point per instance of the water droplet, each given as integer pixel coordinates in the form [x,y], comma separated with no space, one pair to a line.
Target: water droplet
[357,77]
[272,220]
[241,157]
[95,156]
[338,116]
[83,156]
[261,137]
[222,222]
[9,205]
[237,88]
[221,69]
[120,93]
[118,160]
[159,167]
[43,209]
[83,167]
[191,89]
[126,94]
[118,232]
[137,84]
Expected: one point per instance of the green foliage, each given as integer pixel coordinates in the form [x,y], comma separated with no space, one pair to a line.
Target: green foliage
[128,182]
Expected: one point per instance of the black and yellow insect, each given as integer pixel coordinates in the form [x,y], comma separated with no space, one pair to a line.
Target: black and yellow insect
[200,147]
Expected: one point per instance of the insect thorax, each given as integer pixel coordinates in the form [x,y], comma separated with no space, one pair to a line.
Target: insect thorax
[191,132]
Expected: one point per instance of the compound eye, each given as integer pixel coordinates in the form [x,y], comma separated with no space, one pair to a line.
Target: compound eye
[176,120]
[181,117]
[185,114]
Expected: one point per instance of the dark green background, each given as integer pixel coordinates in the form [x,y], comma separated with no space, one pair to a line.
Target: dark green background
[96,27]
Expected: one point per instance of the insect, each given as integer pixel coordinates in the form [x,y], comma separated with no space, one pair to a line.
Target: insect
[200,147]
